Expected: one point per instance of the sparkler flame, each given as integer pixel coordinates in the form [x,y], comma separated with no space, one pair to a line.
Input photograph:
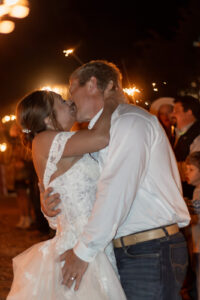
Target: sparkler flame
[50,89]
[131,91]
[68,52]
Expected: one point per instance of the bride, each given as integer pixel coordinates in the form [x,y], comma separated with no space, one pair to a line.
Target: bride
[62,161]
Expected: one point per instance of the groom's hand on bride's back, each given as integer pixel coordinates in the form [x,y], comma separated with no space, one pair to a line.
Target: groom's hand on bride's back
[49,201]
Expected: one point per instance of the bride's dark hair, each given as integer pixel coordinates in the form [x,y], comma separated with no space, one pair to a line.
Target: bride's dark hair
[31,113]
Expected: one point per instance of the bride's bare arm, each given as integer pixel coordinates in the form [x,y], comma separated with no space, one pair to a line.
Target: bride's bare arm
[92,140]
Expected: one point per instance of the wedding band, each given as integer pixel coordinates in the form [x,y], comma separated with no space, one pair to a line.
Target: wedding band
[72,278]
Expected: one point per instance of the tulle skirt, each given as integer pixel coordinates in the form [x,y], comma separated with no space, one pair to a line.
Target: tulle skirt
[38,276]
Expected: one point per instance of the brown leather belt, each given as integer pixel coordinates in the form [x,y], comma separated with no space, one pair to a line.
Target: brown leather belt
[145,236]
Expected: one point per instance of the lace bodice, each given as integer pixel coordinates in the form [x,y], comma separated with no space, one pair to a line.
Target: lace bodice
[77,189]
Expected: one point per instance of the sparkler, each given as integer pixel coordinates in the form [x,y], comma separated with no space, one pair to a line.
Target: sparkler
[48,88]
[71,51]
[131,91]
[68,52]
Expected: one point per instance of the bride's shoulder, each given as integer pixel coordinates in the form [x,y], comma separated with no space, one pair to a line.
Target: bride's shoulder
[42,141]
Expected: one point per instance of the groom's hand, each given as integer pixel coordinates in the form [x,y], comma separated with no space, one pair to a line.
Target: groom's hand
[49,201]
[73,269]
[115,93]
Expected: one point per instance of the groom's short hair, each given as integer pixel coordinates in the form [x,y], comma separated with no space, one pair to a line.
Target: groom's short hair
[102,70]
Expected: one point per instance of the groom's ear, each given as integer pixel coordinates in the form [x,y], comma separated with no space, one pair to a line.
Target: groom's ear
[92,85]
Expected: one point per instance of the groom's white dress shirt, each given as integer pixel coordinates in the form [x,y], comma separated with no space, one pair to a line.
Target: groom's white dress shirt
[139,187]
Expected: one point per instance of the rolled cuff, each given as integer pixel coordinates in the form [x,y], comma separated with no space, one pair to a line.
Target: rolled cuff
[83,252]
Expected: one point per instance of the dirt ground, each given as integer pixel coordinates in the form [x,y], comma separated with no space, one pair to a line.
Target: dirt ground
[12,241]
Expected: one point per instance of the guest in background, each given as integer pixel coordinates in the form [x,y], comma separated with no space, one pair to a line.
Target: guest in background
[167,121]
[193,177]
[187,114]
[163,109]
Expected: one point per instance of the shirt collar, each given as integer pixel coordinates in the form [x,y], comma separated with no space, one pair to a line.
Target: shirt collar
[94,119]
[183,130]
[97,116]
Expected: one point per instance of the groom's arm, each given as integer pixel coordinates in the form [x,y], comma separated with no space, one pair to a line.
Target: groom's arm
[124,169]
[126,165]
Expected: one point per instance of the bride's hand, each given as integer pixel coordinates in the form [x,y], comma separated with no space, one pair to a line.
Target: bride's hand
[114,94]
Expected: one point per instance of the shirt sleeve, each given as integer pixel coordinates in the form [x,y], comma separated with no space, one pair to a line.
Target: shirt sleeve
[124,169]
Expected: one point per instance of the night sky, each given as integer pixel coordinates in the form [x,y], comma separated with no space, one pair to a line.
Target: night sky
[148,40]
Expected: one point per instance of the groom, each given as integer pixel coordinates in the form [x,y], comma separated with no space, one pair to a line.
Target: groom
[138,204]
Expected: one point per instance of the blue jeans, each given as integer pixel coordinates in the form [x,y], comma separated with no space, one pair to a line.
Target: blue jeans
[154,269]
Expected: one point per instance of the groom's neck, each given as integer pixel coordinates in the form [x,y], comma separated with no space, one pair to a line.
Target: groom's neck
[96,107]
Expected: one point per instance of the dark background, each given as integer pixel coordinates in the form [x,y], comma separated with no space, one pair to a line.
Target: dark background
[150,41]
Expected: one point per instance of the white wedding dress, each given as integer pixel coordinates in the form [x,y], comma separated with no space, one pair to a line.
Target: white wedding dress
[37,271]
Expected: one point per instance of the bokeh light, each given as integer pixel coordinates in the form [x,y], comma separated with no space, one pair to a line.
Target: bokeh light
[19,11]
[7,118]
[4,10]
[11,2]
[7,26]
[3,147]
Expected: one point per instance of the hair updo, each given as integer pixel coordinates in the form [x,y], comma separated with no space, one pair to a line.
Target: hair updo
[31,113]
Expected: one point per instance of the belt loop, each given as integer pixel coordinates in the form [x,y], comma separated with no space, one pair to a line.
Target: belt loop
[166,232]
[122,242]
